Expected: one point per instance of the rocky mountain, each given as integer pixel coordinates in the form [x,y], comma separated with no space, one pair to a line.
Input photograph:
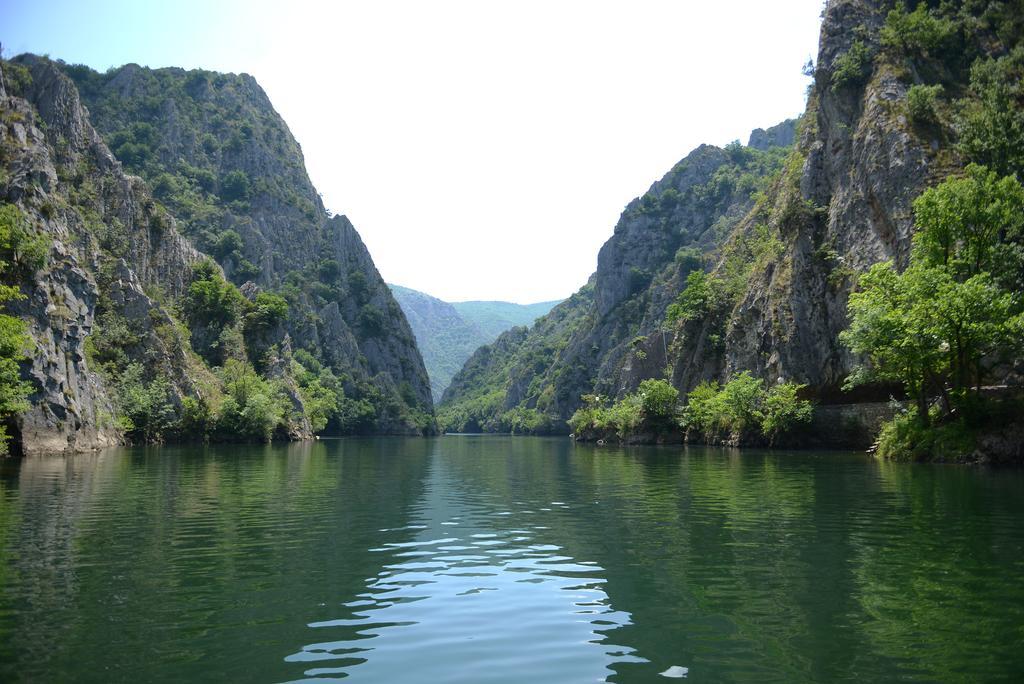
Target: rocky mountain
[708,275]
[532,380]
[137,178]
[448,333]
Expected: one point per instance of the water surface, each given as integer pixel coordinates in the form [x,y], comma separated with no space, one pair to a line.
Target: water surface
[496,559]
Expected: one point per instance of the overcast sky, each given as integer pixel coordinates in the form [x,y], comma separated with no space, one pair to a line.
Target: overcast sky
[484,150]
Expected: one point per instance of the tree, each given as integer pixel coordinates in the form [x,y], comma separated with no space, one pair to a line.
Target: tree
[694,301]
[145,404]
[234,186]
[253,407]
[991,120]
[941,325]
[210,298]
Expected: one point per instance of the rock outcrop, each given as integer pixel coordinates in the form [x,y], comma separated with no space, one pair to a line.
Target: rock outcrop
[65,182]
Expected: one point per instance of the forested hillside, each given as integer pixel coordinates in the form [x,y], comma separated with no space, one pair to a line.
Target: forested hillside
[533,380]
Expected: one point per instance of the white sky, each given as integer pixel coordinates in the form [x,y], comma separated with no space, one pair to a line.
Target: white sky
[484,150]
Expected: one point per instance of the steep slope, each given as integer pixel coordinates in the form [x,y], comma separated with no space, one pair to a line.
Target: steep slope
[135,332]
[110,246]
[903,96]
[448,334]
[221,159]
[532,381]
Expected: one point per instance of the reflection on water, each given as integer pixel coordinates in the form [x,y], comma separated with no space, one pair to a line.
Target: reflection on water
[475,595]
[490,559]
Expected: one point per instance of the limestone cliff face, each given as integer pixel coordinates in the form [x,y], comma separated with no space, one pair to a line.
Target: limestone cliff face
[845,207]
[225,164]
[124,244]
[110,241]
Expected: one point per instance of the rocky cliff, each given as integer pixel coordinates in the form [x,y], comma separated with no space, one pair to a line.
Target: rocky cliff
[110,242]
[112,296]
[780,262]
[220,157]
[532,381]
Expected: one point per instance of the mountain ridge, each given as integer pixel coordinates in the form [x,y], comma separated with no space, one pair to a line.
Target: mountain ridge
[449,332]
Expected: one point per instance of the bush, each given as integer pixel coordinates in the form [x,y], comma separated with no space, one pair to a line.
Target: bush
[921,101]
[254,408]
[783,410]
[371,321]
[907,438]
[145,404]
[991,120]
[227,243]
[20,245]
[658,398]
[852,67]
[211,299]
[268,310]
[234,186]
[651,409]
[320,390]
[743,407]
[17,77]
[688,258]
[694,301]
[920,31]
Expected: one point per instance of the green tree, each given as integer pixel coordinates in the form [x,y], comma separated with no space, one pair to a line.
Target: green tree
[942,324]
[145,403]
[991,119]
[919,32]
[744,407]
[234,186]
[694,301]
[853,66]
[268,310]
[253,408]
[210,298]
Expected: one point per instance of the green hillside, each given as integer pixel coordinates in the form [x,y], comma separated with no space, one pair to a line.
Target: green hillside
[448,334]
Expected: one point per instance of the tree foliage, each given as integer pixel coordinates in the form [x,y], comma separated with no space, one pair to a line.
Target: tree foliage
[743,406]
[955,313]
[651,409]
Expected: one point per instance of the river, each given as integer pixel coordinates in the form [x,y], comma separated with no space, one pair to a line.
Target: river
[506,559]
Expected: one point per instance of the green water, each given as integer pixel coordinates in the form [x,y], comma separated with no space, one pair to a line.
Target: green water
[494,559]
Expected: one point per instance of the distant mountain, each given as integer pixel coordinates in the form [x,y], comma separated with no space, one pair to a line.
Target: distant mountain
[494,318]
[448,334]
